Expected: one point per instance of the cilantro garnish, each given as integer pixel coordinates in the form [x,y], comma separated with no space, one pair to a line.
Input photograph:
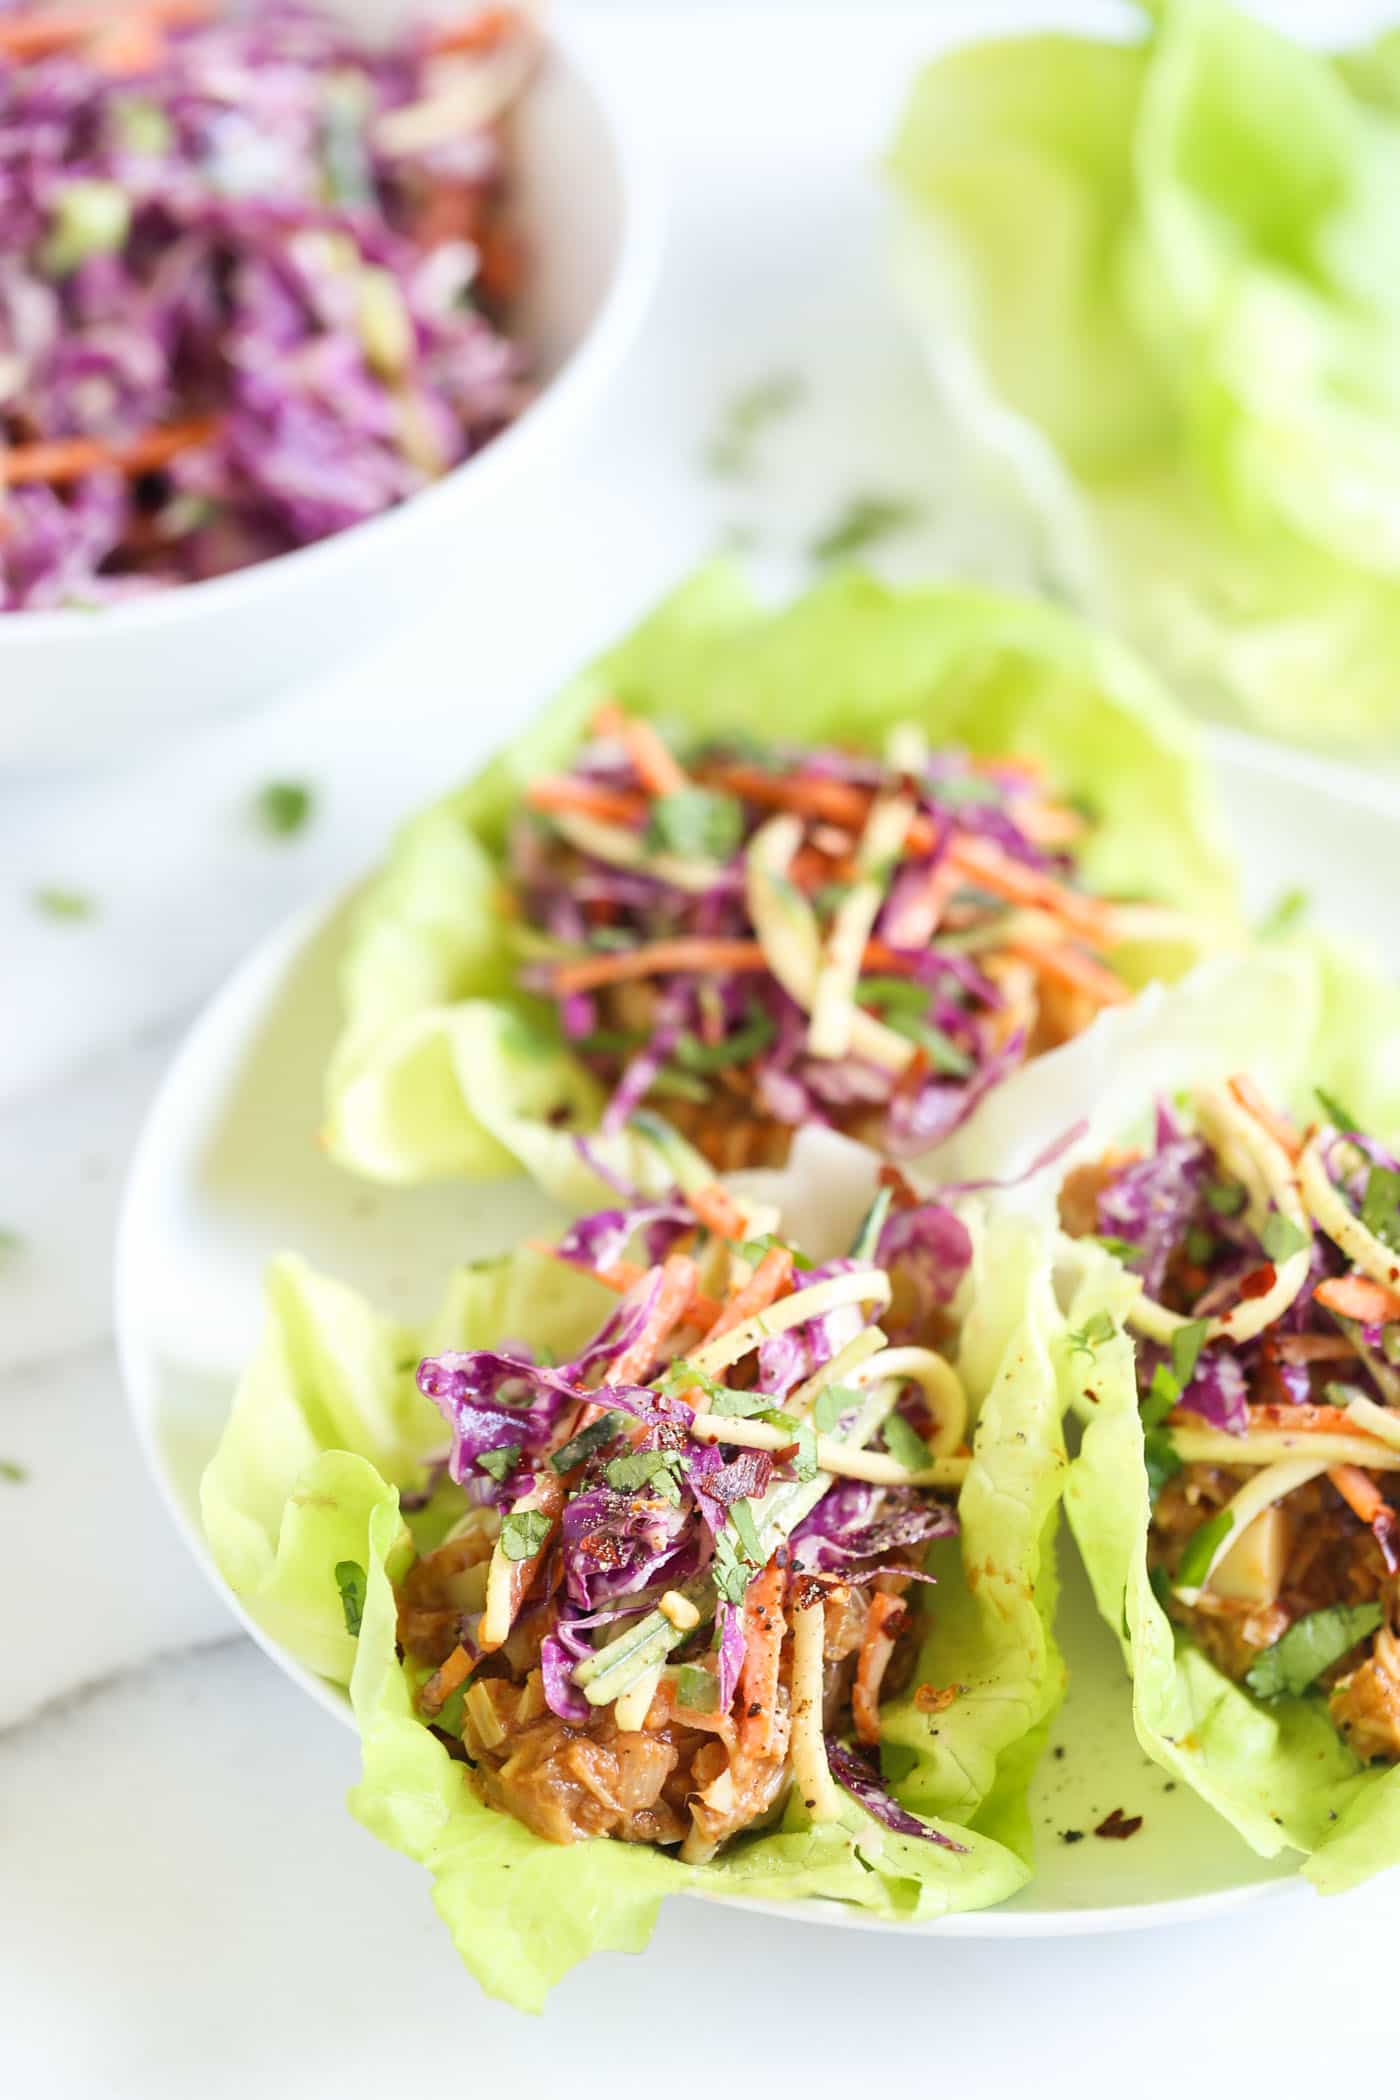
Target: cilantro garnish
[56,903]
[736,1048]
[1281,1238]
[523,1533]
[1160,1455]
[283,807]
[1340,1118]
[745,1530]
[746,417]
[730,1573]
[755,1249]
[696,824]
[944,1054]
[1380,1206]
[865,520]
[904,1444]
[500,1461]
[1199,1244]
[350,1580]
[658,1470]
[1310,1646]
[1187,1344]
[1225,1198]
[833,1402]
[1121,1250]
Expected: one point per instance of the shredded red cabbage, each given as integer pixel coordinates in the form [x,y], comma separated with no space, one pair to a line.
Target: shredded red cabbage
[860,1779]
[261,265]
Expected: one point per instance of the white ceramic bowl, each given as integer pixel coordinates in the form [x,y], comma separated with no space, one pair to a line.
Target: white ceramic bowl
[82,686]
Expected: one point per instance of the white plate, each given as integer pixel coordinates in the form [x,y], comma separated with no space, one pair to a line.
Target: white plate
[228,1173]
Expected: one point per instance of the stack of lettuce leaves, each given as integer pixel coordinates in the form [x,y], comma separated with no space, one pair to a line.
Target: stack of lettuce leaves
[445,1069]
[1157,281]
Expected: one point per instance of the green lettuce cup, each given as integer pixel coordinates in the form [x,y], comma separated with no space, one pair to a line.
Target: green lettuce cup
[1053,776]
[322,1504]
[1192,392]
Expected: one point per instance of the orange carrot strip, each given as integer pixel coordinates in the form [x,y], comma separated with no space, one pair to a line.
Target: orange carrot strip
[715,1207]
[1265,1115]
[769,1280]
[876,1648]
[685,953]
[764,1627]
[658,771]
[702,1311]
[1298,1418]
[679,1278]
[68,459]
[1358,1298]
[1358,1491]
[1071,967]
[833,801]
[445,1680]
[476,32]
[42,33]
[588,797]
[984,863]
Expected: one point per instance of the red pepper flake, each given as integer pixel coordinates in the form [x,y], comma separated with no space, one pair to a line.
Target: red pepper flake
[1117,1825]
[1259,1282]
[804,1591]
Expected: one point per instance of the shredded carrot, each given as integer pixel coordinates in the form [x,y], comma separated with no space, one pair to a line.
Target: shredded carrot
[588,798]
[653,764]
[679,1279]
[764,1627]
[547,1495]
[41,33]
[715,1207]
[876,1648]
[1358,1298]
[686,952]
[770,1280]
[1069,966]
[68,459]
[1358,1491]
[985,865]
[702,1311]
[1297,1418]
[1050,823]
[833,801]
[445,1680]
[476,32]
[1265,1115]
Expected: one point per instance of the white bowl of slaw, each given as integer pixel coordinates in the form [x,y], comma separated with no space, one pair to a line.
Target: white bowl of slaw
[89,686]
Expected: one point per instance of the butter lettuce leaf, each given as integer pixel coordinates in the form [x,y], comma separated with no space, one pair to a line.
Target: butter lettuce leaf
[1157,281]
[443,1069]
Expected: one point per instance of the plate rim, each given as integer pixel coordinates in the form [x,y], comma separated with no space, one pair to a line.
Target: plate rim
[271,958]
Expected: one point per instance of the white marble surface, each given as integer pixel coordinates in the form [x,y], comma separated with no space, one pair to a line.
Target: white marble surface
[184,1905]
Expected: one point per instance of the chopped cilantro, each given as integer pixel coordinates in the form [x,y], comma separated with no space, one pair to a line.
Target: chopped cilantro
[1200,1549]
[893,994]
[746,417]
[523,1533]
[500,1461]
[904,1443]
[56,903]
[587,1441]
[350,1580]
[1161,1397]
[1286,912]
[283,807]
[804,1464]
[1310,1646]
[728,1571]
[736,1048]
[1281,1238]
[1199,1244]
[833,1402]
[1225,1198]
[745,1530]
[741,1406]
[944,1054]
[864,521]
[657,1470]
[1160,1455]
[1187,1344]
[754,1250]
[1340,1118]
[1380,1206]
[696,823]
[1121,1250]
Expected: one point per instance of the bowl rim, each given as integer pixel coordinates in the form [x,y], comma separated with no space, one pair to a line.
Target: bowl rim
[601,347]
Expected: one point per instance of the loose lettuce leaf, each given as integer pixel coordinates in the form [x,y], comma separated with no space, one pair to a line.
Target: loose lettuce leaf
[443,1070]
[1157,282]
[327,1426]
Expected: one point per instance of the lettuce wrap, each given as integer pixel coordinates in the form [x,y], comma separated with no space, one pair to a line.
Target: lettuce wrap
[446,1067]
[1156,282]
[1314,1022]
[312,1516]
